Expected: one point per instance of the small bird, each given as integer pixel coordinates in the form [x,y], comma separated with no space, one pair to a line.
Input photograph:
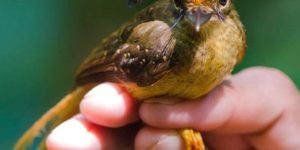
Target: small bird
[180,48]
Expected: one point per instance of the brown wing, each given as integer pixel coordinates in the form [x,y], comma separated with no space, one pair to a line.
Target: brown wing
[143,58]
[98,66]
[139,52]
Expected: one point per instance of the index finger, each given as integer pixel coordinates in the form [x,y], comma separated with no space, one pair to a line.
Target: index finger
[109,105]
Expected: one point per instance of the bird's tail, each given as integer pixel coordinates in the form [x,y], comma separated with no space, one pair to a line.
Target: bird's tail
[34,137]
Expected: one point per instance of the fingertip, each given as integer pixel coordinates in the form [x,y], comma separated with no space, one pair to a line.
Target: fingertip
[78,133]
[74,134]
[109,105]
[151,138]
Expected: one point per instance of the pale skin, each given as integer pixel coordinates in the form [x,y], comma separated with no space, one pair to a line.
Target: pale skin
[258,108]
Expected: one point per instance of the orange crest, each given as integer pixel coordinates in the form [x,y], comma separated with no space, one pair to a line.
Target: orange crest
[198,2]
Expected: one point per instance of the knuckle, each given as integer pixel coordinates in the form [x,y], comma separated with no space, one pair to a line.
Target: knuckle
[271,75]
[278,78]
[268,83]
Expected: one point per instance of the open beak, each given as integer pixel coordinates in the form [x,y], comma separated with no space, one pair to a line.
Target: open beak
[199,17]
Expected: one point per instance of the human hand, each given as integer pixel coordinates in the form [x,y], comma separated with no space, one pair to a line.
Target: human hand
[257,108]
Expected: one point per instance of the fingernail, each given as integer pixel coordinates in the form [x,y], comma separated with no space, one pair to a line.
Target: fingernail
[103,89]
[172,141]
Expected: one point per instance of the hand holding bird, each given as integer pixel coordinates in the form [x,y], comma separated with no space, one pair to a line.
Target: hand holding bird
[181,48]
[108,123]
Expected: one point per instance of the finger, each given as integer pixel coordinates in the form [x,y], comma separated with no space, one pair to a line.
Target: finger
[78,133]
[158,139]
[248,102]
[109,105]
[282,135]
[226,142]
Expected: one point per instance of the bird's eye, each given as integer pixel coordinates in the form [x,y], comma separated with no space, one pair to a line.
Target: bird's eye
[223,2]
[179,3]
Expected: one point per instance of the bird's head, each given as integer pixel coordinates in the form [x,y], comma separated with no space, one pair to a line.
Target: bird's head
[201,11]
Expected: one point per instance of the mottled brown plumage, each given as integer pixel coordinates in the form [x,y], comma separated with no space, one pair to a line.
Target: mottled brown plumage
[161,53]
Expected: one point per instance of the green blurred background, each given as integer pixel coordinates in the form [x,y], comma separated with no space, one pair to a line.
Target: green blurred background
[43,42]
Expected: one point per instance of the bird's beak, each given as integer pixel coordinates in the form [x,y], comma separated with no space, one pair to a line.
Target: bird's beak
[199,17]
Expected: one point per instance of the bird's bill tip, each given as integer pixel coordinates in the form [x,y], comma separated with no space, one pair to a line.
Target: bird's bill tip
[198,17]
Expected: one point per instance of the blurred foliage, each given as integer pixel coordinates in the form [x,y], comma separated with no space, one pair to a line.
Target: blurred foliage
[43,42]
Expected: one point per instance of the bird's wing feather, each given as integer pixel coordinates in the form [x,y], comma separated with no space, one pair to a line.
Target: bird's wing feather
[148,42]
[143,58]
